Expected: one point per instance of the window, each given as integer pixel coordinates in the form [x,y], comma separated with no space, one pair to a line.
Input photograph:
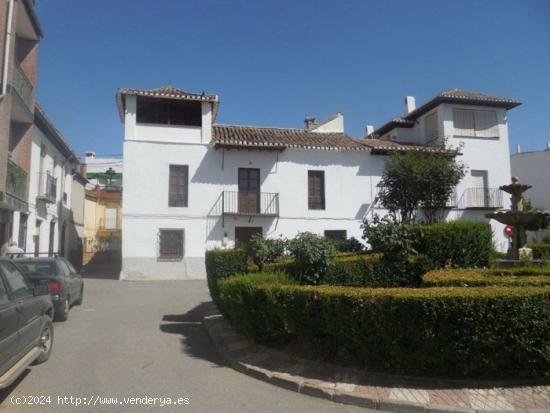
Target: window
[475,123]
[171,243]
[16,282]
[336,234]
[316,189]
[178,184]
[430,126]
[169,112]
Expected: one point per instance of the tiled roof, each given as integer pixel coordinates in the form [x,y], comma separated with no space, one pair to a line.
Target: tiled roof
[459,96]
[384,146]
[164,92]
[281,138]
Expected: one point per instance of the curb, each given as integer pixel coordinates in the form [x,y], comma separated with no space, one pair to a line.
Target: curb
[229,352]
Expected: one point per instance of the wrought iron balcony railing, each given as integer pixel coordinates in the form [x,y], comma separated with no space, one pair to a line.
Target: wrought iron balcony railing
[481,198]
[16,181]
[250,203]
[48,188]
[23,87]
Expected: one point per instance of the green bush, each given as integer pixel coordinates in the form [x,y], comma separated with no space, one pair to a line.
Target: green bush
[455,332]
[459,244]
[540,251]
[312,255]
[263,250]
[349,245]
[484,277]
[223,263]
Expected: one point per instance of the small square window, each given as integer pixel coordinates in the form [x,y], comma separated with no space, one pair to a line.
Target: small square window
[336,234]
[171,244]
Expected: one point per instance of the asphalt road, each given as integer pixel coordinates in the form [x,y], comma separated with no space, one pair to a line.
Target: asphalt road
[145,339]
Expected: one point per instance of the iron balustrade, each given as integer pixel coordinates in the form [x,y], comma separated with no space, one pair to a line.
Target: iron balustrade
[481,198]
[250,203]
[48,188]
[16,181]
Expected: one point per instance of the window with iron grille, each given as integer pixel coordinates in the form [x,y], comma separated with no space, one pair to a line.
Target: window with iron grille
[316,189]
[336,234]
[171,243]
[178,191]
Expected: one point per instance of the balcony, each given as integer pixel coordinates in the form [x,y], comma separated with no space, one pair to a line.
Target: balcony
[23,89]
[48,188]
[452,202]
[16,181]
[109,224]
[236,203]
[481,198]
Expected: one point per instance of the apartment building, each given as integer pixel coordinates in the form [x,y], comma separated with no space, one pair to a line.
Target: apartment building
[192,184]
[21,33]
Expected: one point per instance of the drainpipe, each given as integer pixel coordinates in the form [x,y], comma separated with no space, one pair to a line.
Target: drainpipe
[7,49]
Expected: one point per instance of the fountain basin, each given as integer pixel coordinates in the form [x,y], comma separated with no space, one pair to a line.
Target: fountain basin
[531,221]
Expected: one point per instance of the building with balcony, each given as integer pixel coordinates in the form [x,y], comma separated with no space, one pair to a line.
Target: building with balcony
[21,32]
[192,184]
[49,223]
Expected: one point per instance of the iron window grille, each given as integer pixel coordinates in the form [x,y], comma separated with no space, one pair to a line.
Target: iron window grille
[171,244]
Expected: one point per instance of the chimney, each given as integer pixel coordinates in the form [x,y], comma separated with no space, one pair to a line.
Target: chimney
[369,129]
[310,122]
[548,145]
[90,154]
[410,104]
[518,148]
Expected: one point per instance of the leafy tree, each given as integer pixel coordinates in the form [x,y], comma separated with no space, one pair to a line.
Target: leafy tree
[415,180]
[312,256]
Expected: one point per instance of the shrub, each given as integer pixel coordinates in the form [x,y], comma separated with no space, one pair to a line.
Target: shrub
[350,245]
[263,250]
[223,263]
[312,256]
[454,244]
[453,332]
[540,251]
[481,278]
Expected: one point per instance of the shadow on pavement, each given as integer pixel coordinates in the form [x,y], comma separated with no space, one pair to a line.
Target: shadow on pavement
[103,266]
[195,341]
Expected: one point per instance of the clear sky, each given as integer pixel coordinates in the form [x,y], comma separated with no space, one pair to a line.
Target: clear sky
[275,62]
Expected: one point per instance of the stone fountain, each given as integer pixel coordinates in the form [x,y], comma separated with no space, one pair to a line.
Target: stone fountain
[520,220]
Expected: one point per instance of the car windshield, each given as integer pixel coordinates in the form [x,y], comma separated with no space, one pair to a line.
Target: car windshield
[38,268]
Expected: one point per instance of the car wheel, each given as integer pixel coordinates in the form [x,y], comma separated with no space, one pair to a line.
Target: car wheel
[64,313]
[81,297]
[46,342]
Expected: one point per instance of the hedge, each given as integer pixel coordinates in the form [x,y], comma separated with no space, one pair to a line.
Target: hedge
[223,263]
[453,332]
[481,278]
[540,251]
[457,244]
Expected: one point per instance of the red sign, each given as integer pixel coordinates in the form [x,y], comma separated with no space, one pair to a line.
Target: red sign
[508,230]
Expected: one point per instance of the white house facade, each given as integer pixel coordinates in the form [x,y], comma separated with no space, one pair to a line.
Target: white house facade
[192,184]
[53,162]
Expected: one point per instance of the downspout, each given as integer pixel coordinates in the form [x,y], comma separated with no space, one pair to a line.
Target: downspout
[7,48]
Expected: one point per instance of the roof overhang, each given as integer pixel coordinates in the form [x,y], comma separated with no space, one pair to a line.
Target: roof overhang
[47,127]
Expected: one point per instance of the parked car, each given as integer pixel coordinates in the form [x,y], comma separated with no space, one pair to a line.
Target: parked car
[26,330]
[63,280]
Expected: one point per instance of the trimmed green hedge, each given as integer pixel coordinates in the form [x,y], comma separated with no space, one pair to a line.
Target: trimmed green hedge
[540,251]
[484,278]
[454,244]
[223,263]
[453,332]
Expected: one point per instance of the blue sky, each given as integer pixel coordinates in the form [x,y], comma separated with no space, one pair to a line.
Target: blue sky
[275,62]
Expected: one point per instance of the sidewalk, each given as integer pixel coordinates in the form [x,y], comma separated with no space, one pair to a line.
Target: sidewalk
[374,391]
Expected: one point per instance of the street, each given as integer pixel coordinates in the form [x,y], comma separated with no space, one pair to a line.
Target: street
[145,340]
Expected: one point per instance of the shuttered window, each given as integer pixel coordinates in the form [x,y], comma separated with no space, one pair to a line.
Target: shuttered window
[475,123]
[430,123]
[316,189]
[178,183]
[171,243]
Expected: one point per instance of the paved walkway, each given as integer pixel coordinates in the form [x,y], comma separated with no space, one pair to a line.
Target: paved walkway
[146,339]
[375,391]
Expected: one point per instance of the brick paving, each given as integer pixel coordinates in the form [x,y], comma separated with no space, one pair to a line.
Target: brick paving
[376,391]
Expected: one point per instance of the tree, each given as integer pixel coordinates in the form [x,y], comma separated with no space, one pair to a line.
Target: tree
[416,180]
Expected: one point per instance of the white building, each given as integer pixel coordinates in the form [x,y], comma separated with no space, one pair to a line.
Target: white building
[192,184]
[53,162]
[533,168]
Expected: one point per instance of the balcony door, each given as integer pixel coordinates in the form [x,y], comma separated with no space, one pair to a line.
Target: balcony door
[249,191]
[480,192]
